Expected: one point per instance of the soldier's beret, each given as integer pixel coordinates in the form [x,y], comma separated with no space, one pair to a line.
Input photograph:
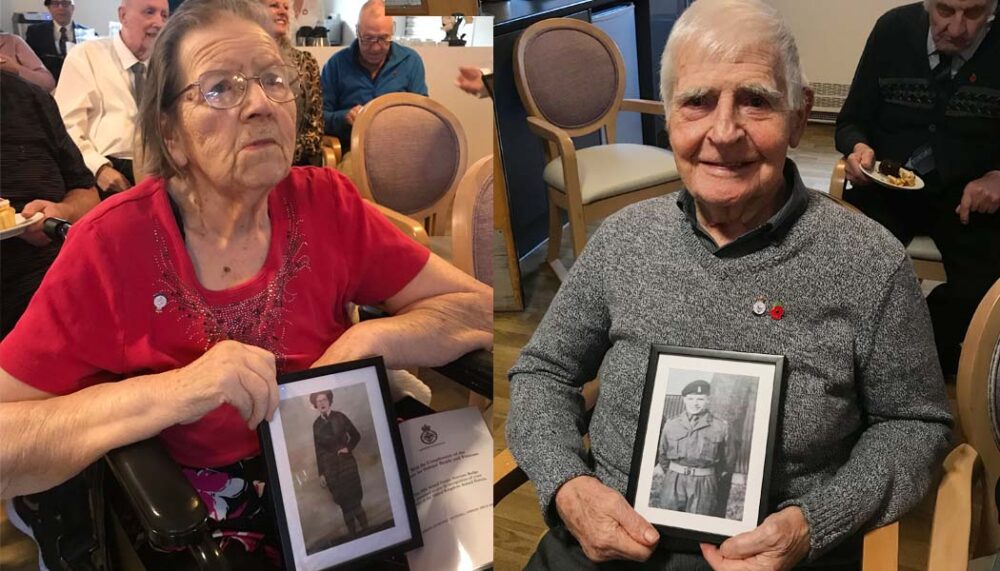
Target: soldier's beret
[697,388]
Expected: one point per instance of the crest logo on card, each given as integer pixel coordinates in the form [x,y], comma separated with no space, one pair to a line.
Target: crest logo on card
[427,435]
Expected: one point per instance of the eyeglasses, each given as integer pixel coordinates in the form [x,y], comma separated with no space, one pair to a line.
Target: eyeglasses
[61,3]
[227,89]
[372,40]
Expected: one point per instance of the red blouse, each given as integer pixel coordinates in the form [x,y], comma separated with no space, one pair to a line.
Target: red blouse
[122,299]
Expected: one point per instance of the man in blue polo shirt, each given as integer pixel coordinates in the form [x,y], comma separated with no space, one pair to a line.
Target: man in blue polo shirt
[370,67]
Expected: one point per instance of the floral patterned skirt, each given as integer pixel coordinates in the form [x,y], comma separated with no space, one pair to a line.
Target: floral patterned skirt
[236,500]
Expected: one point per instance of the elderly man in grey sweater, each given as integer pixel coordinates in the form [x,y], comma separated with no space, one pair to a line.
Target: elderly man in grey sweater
[864,419]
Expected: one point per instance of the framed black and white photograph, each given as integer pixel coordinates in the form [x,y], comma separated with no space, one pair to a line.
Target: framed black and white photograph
[702,457]
[338,476]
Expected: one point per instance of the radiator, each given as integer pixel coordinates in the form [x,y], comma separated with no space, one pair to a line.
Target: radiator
[829,98]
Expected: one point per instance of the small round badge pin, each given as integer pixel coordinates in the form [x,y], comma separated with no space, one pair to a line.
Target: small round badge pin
[759,306]
[159,302]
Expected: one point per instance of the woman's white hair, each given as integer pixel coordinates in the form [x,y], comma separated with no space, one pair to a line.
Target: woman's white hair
[724,30]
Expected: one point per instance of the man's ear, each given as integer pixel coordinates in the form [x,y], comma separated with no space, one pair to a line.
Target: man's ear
[801,117]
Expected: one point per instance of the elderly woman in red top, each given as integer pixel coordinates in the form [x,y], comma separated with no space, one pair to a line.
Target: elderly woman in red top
[173,306]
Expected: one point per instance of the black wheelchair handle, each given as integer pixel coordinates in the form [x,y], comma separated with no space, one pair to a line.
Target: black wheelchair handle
[56,228]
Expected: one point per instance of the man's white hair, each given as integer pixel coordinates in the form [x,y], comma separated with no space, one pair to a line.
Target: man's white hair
[724,30]
[928,4]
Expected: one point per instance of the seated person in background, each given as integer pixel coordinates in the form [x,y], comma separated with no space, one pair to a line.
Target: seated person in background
[372,66]
[309,103]
[97,92]
[17,58]
[42,172]
[222,269]
[864,421]
[52,40]
[926,95]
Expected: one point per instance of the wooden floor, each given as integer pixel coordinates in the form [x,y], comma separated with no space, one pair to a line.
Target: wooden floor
[517,522]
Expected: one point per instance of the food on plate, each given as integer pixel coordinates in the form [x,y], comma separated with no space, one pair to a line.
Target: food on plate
[905,178]
[889,168]
[6,214]
[894,174]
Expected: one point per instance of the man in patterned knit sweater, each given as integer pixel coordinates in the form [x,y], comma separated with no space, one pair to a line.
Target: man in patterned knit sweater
[926,95]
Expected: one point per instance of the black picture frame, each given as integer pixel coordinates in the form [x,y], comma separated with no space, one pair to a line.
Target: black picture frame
[684,478]
[316,535]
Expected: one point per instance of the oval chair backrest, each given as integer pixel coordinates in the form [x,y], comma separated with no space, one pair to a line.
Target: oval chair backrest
[569,73]
[472,222]
[411,153]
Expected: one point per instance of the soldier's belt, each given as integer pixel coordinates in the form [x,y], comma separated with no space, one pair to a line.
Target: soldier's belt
[690,470]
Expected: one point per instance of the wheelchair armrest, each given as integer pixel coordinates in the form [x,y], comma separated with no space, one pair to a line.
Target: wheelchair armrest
[473,371]
[168,507]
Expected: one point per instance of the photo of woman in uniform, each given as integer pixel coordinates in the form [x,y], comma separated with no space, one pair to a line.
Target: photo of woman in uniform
[339,478]
[335,438]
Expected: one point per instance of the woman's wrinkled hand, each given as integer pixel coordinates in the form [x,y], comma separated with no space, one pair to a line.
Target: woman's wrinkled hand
[603,522]
[777,544]
[232,373]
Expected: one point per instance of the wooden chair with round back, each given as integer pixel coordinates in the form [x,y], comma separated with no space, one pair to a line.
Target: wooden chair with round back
[571,78]
[410,153]
[957,535]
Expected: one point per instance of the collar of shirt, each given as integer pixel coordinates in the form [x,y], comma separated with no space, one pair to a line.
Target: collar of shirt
[125,55]
[964,55]
[767,233]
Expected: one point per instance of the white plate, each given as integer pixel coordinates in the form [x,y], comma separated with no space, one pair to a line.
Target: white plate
[884,180]
[20,225]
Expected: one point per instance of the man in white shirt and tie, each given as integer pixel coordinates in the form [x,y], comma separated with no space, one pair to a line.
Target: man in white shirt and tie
[101,82]
[51,40]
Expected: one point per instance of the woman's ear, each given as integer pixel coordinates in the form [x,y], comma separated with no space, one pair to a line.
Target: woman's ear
[175,148]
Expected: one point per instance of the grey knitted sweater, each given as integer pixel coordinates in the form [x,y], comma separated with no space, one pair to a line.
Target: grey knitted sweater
[865,421]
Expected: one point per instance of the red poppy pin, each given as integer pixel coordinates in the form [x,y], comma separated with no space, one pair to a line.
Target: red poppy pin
[777,311]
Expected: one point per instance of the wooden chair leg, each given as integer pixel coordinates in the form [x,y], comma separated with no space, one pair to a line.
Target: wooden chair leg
[555,232]
[578,227]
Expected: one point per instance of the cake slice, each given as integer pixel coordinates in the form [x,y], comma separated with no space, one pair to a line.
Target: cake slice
[889,167]
[6,214]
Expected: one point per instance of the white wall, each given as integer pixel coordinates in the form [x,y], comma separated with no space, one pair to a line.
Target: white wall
[831,35]
[441,68]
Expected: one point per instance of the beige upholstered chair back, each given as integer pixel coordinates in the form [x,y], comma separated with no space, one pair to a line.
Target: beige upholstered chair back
[410,153]
[472,222]
[979,410]
[571,74]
